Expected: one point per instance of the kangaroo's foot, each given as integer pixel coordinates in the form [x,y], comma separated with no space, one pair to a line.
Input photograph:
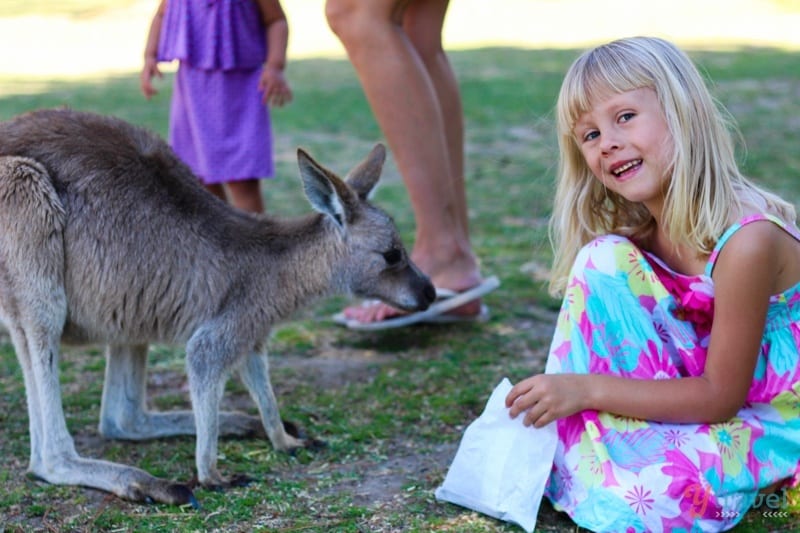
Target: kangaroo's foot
[309,443]
[221,483]
[127,482]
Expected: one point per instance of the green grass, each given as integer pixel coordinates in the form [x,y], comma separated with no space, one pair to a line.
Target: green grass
[392,406]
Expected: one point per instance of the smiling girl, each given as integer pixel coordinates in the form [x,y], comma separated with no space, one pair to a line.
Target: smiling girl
[673,375]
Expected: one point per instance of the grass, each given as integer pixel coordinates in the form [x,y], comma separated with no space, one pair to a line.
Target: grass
[392,406]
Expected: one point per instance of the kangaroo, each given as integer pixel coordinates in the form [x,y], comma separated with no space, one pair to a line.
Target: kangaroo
[106,237]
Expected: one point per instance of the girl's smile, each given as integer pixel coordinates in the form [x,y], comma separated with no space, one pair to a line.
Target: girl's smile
[625,170]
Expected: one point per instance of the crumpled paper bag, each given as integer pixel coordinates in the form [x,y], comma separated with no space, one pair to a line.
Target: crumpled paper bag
[501,467]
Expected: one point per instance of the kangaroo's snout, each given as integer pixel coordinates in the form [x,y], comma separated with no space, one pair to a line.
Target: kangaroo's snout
[420,293]
[428,295]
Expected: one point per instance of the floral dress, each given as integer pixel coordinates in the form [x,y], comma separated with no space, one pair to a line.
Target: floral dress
[627,314]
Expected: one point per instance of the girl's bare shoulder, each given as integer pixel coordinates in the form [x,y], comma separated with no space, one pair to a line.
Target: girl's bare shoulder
[762,248]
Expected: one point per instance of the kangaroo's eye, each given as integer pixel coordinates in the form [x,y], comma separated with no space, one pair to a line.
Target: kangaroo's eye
[393,256]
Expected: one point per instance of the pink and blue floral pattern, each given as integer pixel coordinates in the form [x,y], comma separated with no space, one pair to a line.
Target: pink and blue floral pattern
[626,313]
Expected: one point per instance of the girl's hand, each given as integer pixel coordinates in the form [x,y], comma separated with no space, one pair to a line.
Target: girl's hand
[149,70]
[547,397]
[275,88]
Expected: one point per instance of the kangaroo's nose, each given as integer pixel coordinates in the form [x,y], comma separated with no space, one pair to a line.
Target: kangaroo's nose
[429,292]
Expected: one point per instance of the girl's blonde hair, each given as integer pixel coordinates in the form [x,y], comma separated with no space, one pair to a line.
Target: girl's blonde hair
[706,192]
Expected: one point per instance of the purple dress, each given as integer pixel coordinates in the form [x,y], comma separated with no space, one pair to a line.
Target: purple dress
[218,124]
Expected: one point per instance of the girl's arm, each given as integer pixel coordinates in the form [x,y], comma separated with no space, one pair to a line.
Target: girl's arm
[273,82]
[744,278]
[150,67]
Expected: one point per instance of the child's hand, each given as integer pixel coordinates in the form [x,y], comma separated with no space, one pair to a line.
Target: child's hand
[275,88]
[547,397]
[149,70]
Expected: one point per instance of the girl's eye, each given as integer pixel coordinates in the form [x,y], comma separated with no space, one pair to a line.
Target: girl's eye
[625,117]
[590,135]
[393,256]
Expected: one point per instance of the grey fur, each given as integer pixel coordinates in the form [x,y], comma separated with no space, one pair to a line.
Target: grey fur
[105,236]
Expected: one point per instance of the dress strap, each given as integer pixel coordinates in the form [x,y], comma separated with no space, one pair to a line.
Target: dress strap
[791,229]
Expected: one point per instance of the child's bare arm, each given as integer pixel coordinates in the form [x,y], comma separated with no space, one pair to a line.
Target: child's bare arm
[547,397]
[273,82]
[150,68]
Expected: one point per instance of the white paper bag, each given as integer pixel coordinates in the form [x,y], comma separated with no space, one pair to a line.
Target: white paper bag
[501,467]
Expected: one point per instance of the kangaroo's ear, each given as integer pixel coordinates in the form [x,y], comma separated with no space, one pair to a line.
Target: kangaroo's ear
[365,175]
[326,192]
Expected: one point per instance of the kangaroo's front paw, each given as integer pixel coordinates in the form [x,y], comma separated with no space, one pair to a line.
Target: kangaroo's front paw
[220,483]
[302,438]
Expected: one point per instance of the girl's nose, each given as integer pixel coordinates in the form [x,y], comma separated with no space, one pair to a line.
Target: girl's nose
[610,142]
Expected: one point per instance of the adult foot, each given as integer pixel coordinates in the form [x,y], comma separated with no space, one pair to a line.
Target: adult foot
[447,308]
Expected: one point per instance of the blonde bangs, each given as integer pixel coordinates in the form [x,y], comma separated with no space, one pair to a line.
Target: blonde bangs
[596,75]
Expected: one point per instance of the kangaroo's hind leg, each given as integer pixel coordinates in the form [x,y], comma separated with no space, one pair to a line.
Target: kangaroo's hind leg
[32,299]
[124,413]
[33,305]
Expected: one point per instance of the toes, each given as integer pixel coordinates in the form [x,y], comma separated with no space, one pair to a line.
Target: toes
[293,429]
[315,445]
[308,443]
[371,311]
[240,480]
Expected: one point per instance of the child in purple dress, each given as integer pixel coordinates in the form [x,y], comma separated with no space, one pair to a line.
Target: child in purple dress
[673,376]
[231,54]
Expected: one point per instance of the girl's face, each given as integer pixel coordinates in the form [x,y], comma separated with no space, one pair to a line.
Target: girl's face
[626,143]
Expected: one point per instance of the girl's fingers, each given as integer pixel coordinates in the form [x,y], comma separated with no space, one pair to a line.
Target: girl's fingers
[516,391]
[541,413]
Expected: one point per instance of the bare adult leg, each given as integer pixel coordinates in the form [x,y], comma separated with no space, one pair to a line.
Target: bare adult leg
[405,99]
[423,23]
